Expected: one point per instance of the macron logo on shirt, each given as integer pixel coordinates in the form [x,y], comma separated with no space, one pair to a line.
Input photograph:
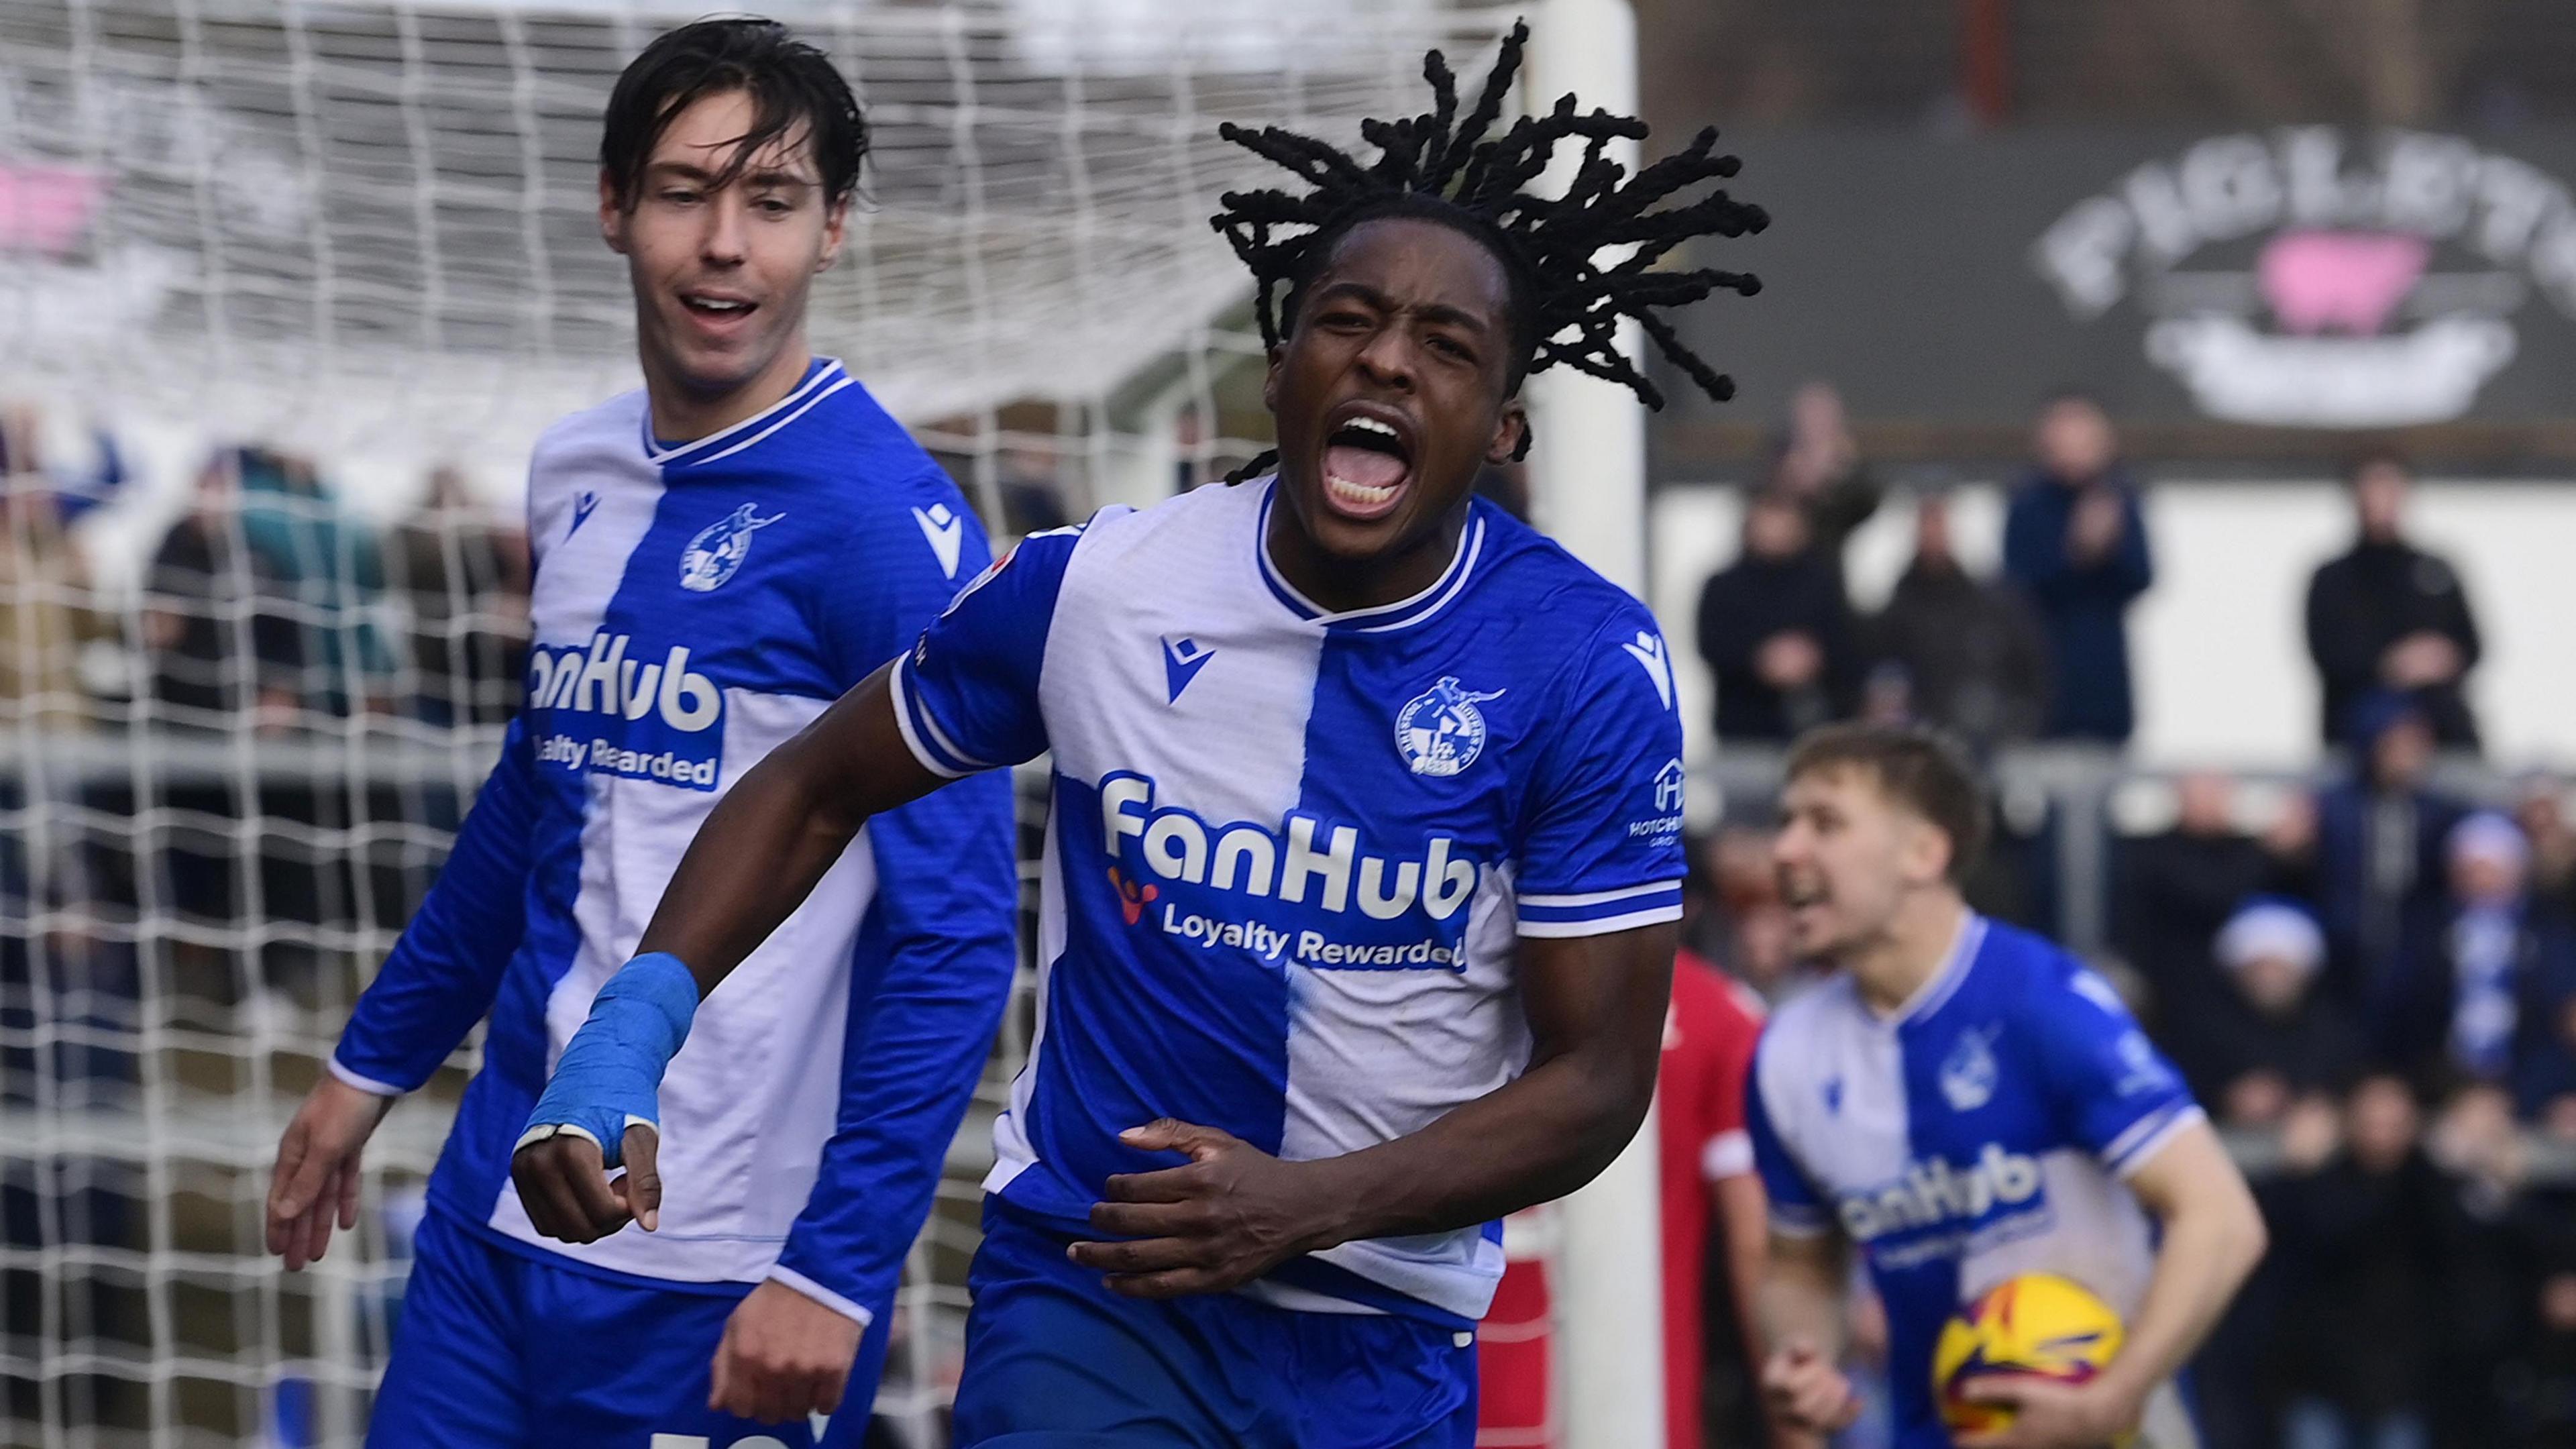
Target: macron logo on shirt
[1648,651]
[582,508]
[946,532]
[1182,661]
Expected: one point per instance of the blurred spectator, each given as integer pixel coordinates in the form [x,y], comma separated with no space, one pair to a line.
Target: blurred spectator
[1965,651]
[82,467]
[2540,808]
[2551,1394]
[2478,999]
[2388,615]
[45,614]
[2361,1230]
[464,584]
[1819,467]
[2076,542]
[1774,628]
[2493,1236]
[329,573]
[2275,1039]
[2378,874]
[220,640]
[2487,958]
[2175,891]
[1032,491]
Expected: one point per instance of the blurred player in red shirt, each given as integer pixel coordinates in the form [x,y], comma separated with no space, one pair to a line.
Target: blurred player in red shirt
[1707,1168]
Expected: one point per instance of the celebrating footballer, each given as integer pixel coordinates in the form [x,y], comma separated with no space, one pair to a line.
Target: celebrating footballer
[1357,918]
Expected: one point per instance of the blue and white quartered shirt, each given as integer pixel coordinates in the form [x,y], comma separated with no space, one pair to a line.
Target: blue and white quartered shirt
[695,605]
[1291,850]
[1979,1133]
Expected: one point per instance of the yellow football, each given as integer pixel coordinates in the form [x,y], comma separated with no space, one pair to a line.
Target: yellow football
[2035,1326]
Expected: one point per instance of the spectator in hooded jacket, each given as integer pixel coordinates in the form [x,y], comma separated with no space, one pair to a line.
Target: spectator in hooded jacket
[2487,996]
[2378,868]
[2388,615]
[2076,542]
[1965,650]
[2275,1039]
[1774,628]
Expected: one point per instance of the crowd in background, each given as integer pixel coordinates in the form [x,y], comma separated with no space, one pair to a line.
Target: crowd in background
[2371,984]
[268,607]
[267,600]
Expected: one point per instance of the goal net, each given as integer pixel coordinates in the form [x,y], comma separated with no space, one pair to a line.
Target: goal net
[285,291]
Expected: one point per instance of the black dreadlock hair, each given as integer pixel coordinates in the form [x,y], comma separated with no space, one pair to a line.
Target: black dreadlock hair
[1441,168]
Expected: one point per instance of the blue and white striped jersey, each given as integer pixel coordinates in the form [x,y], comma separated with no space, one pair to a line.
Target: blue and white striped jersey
[694,606]
[1291,851]
[1978,1134]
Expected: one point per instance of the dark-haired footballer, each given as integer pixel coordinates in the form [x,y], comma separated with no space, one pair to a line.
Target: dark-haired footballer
[718,557]
[1361,876]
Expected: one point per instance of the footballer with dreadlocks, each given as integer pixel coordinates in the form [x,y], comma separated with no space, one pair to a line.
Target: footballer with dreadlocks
[1363,859]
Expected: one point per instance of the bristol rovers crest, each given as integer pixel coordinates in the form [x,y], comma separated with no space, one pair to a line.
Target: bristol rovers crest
[719,549]
[1440,732]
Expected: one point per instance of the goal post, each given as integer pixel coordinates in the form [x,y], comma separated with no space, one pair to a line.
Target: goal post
[1587,473]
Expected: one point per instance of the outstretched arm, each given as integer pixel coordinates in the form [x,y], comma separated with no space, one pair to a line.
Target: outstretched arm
[964,700]
[1596,1013]
[774,834]
[753,862]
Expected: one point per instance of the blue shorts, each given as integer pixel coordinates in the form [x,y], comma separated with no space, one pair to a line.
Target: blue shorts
[1055,1360]
[499,1349]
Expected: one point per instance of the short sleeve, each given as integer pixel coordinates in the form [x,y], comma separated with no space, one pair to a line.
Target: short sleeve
[1602,847]
[2118,1097]
[1728,1152]
[1796,1209]
[898,567]
[966,697]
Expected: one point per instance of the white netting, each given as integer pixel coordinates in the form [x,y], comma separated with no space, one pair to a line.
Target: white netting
[245,695]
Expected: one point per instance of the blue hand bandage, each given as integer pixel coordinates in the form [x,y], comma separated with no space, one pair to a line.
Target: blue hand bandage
[611,1073]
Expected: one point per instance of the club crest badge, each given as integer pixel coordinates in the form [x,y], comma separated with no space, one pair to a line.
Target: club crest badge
[1968,1076]
[1441,731]
[716,554]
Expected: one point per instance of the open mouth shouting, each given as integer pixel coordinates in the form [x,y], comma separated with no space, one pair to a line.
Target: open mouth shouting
[1368,462]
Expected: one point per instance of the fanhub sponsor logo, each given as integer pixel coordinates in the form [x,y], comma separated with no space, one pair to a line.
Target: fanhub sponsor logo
[1290,865]
[1933,1192]
[648,720]
[1305,874]
[2302,279]
[603,680]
